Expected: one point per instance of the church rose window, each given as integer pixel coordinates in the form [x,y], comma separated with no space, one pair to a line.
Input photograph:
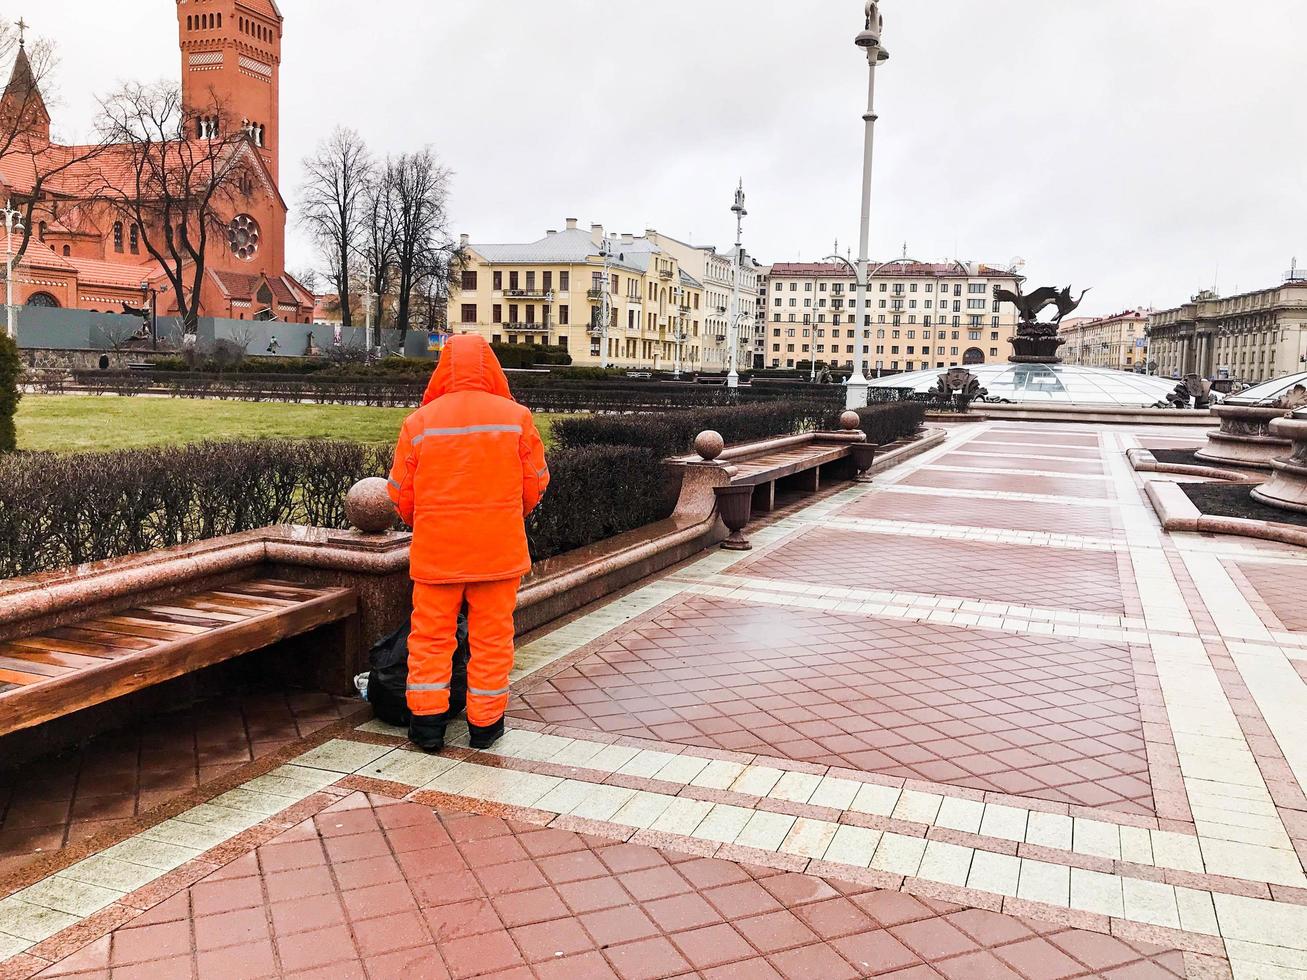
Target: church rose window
[243,235]
[44,300]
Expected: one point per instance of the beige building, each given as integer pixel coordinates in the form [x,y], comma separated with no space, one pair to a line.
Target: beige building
[921,315]
[716,271]
[1250,337]
[552,291]
[1107,342]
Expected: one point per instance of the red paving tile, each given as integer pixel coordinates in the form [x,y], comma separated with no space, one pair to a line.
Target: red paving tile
[819,935]
[1031,715]
[1282,588]
[1017,460]
[981,483]
[1012,515]
[1042,437]
[56,801]
[1047,578]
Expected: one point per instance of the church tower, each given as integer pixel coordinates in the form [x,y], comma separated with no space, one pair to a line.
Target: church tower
[231,57]
[22,110]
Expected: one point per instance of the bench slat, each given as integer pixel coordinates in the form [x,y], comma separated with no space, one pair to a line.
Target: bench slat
[139,617]
[40,699]
[120,626]
[38,669]
[52,644]
[231,602]
[213,615]
[273,590]
[57,658]
[119,641]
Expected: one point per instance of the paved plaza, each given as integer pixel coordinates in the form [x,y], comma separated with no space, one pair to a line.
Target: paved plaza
[981,719]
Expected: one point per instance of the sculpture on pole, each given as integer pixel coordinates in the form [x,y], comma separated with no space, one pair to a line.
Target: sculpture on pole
[1038,342]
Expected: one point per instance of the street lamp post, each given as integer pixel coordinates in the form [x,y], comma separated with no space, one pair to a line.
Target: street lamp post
[737,268]
[13,223]
[605,305]
[870,40]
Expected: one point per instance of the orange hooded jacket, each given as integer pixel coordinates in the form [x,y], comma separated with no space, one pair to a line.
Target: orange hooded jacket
[469,467]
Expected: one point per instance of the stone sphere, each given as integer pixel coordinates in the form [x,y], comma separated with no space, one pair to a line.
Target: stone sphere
[851,420]
[709,445]
[368,506]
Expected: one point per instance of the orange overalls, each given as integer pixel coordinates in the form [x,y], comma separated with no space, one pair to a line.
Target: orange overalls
[469,467]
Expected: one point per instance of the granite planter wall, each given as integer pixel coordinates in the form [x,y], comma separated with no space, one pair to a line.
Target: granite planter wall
[1245,438]
[1287,488]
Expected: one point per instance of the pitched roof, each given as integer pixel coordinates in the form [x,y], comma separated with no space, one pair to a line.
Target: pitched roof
[244,286]
[23,87]
[906,270]
[268,8]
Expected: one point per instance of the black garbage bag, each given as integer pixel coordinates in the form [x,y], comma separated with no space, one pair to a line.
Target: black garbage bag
[388,678]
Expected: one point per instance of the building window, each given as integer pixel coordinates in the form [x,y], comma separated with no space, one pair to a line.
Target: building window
[564,281]
[117,235]
[564,315]
[136,240]
[67,251]
[497,279]
[497,314]
[469,313]
[470,280]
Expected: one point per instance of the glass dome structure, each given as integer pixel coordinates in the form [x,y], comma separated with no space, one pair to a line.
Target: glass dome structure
[1268,392]
[1050,384]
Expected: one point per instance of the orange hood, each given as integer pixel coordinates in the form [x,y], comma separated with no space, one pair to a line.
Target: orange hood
[467,364]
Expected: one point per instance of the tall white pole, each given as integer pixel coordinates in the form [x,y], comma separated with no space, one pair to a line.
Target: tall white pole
[605,307]
[12,223]
[737,268]
[870,39]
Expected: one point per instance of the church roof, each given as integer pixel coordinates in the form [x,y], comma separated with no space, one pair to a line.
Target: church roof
[22,85]
[240,285]
[268,8]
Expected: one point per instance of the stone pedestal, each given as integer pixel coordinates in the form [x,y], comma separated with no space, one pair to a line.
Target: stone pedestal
[1287,488]
[1245,438]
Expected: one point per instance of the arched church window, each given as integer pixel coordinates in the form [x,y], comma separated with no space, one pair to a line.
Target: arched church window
[67,251]
[136,240]
[190,22]
[220,21]
[40,231]
[118,236]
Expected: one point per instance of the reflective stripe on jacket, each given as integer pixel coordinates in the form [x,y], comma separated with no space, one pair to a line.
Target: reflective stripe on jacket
[469,467]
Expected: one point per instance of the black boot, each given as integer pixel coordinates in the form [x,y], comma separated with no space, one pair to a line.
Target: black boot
[483,738]
[428,732]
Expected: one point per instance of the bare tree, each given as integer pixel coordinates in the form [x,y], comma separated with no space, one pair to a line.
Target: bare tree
[381,241]
[334,207]
[420,197]
[178,173]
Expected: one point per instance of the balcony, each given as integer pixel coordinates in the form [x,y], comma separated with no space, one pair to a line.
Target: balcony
[596,295]
[664,272]
[684,308]
[544,294]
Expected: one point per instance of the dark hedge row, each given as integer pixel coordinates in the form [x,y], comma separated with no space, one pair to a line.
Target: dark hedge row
[673,433]
[11,369]
[62,511]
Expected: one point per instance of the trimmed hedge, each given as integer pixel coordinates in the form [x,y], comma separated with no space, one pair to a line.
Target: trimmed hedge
[60,511]
[596,492]
[11,370]
[673,433]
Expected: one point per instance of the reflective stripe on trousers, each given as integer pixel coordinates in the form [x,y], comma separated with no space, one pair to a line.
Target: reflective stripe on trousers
[432,642]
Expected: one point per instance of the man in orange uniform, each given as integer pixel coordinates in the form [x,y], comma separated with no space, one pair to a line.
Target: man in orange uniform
[469,467]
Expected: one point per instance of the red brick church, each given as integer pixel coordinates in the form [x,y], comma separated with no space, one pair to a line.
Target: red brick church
[84,255]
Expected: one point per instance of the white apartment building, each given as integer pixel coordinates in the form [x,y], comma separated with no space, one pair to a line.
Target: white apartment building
[920,315]
[716,271]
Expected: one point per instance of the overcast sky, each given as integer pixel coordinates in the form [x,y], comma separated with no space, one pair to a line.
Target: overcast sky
[1147,148]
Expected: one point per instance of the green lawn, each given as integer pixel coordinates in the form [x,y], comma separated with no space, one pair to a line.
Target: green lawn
[80,423]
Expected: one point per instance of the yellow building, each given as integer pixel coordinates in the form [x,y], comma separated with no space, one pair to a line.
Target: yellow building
[1107,342]
[553,291]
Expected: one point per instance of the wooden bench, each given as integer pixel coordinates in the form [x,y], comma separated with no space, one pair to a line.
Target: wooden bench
[96,660]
